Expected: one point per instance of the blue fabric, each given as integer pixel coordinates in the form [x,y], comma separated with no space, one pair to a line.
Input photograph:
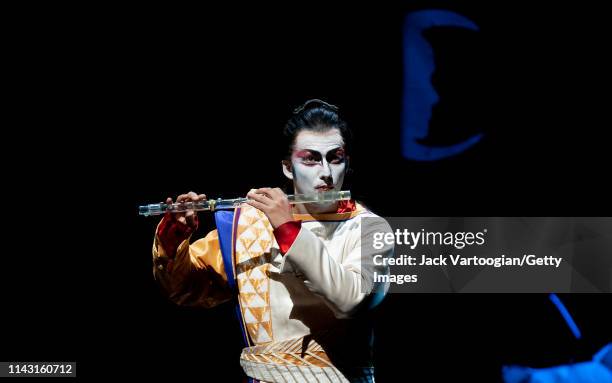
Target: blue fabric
[604,356]
[594,371]
[224,219]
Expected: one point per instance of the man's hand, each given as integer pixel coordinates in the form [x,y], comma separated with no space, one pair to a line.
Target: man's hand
[187,217]
[274,204]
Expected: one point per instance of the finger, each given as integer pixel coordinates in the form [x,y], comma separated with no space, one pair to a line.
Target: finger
[257,205]
[193,196]
[261,198]
[277,197]
[272,192]
[266,191]
[279,193]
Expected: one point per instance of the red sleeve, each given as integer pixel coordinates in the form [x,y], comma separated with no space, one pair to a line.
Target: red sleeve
[286,233]
[172,232]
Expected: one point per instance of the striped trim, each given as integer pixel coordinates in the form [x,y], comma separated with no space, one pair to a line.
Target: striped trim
[296,352]
[293,360]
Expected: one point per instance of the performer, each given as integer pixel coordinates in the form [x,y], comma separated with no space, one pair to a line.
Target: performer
[300,277]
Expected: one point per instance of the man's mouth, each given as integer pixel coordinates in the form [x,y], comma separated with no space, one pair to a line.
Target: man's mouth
[324,187]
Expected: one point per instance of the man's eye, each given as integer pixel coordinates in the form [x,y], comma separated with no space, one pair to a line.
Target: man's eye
[336,156]
[309,159]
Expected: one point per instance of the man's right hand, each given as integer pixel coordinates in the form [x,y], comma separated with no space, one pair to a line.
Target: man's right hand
[187,217]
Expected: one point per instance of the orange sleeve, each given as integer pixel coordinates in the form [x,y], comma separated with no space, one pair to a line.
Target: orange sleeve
[195,275]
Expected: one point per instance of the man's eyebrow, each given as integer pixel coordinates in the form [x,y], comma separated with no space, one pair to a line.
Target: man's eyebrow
[304,151]
[318,152]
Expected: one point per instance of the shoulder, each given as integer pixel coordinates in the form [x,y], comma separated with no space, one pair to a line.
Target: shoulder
[369,221]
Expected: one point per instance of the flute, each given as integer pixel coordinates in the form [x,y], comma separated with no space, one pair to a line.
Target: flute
[221,204]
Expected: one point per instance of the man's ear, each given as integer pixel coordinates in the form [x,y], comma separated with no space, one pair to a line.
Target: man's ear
[287,169]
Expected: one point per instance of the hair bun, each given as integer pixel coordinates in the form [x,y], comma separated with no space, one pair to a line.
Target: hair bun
[305,106]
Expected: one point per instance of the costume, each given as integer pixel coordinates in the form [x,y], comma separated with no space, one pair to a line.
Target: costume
[301,289]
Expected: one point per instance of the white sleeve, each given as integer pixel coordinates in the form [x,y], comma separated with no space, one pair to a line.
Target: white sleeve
[342,283]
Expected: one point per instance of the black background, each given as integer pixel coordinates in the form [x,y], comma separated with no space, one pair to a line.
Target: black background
[120,106]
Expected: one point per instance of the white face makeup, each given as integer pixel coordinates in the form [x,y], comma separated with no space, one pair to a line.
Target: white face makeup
[318,162]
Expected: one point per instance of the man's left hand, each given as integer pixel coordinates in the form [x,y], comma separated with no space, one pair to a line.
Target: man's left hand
[273,203]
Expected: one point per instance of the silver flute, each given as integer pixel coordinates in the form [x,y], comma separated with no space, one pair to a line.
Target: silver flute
[221,204]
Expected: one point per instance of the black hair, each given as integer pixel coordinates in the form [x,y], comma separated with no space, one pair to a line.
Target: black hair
[316,116]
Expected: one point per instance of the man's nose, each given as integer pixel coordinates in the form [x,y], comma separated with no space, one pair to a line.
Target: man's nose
[326,174]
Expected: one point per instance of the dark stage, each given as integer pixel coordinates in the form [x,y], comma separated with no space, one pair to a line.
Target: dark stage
[138,104]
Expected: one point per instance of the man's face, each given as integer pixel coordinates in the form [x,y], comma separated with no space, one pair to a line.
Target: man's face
[318,162]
